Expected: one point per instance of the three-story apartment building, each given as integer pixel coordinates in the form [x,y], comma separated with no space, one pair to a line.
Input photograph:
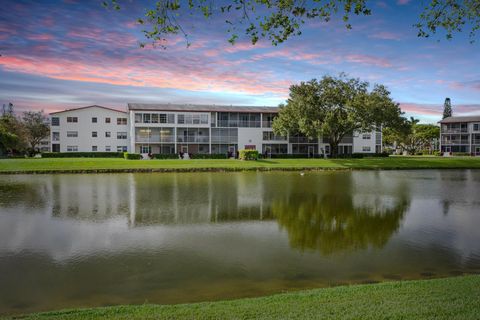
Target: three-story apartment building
[460,134]
[175,128]
[194,129]
[89,129]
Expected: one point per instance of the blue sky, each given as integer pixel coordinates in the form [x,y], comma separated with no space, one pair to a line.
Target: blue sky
[64,54]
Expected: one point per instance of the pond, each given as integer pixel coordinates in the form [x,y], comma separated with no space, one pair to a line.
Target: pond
[93,240]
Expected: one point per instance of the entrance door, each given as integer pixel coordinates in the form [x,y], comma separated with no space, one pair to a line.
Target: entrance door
[268,151]
[184,149]
[232,152]
[477,151]
[311,151]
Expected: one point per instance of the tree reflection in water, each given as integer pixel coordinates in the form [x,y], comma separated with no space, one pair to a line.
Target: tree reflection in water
[333,222]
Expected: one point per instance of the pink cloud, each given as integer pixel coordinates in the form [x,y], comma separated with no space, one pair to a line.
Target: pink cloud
[421,109]
[385,35]
[368,60]
[403,2]
[41,37]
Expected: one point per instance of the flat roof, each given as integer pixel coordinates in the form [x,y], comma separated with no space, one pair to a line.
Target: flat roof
[94,106]
[199,107]
[460,119]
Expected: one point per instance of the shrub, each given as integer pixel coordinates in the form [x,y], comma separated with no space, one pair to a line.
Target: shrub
[293,156]
[82,155]
[437,153]
[132,156]
[164,156]
[208,156]
[248,155]
[461,154]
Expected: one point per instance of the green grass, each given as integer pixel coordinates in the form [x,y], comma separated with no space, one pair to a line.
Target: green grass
[122,165]
[450,298]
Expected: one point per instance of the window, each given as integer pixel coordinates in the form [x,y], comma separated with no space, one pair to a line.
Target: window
[72,148]
[163,117]
[55,147]
[476,126]
[366,149]
[121,135]
[146,118]
[107,148]
[269,135]
[107,134]
[72,119]
[55,136]
[72,134]
[107,120]
[138,117]
[181,118]
[94,120]
[121,148]
[94,148]
[145,149]
[121,121]
[94,134]
[366,136]
[189,118]
[55,121]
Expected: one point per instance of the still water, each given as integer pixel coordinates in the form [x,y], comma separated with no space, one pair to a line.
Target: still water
[93,240]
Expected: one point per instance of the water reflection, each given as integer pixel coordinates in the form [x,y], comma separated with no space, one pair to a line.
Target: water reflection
[66,240]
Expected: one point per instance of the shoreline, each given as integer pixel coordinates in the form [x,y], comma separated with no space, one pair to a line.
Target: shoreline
[442,298]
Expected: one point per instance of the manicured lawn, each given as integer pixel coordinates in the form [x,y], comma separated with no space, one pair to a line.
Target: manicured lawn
[122,165]
[450,298]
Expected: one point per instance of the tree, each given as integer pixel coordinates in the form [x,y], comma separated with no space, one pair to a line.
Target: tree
[279,20]
[335,107]
[13,135]
[36,127]
[447,108]
[411,137]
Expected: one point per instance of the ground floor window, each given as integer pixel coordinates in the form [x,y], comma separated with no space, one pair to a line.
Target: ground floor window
[72,148]
[305,149]
[94,148]
[121,148]
[55,147]
[455,149]
[107,148]
[366,149]
[224,148]
[274,148]
[344,149]
[145,149]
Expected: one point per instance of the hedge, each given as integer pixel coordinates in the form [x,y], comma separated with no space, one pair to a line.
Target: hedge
[248,155]
[82,154]
[132,156]
[208,156]
[164,156]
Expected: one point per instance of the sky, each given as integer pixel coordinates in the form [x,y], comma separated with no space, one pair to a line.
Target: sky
[60,54]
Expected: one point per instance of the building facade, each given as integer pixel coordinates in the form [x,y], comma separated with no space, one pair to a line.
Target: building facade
[194,129]
[89,129]
[460,134]
[175,128]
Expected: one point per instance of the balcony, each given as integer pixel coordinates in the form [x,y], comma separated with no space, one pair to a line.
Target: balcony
[455,142]
[184,139]
[155,139]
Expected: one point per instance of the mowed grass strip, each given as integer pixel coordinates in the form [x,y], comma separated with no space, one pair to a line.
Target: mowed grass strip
[449,298]
[122,165]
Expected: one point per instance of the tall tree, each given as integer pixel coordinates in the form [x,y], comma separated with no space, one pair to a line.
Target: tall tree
[279,20]
[334,107]
[447,108]
[36,127]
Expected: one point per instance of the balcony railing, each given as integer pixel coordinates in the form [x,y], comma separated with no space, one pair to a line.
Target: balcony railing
[456,142]
[267,124]
[193,139]
[155,139]
[238,124]
[455,130]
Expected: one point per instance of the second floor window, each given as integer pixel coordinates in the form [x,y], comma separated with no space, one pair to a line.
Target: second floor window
[55,136]
[366,136]
[72,119]
[121,121]
[72,134]
[94,120]
[107,134]
[476,126]
[121,135]
[107,120]
[94,134]
[55,121]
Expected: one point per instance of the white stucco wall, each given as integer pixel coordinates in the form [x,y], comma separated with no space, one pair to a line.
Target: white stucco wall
[359,142]
[250,136]
[84,141]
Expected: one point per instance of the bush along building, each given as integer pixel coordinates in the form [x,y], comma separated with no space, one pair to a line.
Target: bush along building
[460,135]
[170,129]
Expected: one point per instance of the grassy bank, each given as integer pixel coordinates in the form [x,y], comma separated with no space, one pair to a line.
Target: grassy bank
[450,298]
[85,165]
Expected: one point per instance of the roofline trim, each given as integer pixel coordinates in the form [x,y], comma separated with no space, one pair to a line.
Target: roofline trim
[93,106]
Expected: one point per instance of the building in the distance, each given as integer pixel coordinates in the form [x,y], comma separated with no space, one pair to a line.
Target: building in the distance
[186,128]
[460,134]
[88,129]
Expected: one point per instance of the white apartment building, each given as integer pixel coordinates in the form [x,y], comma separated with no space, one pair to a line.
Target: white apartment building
[176,128]
[186,128]
[460,134]
[89,129]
